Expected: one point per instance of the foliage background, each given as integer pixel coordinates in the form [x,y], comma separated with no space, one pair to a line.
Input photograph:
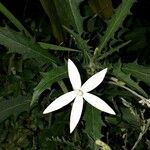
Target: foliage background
[37,38]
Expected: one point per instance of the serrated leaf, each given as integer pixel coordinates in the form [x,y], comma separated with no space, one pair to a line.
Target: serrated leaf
[112,50]
[62,140]
[13,107]
[93,124]
[142,73]
[127,79]
[17,43]
[116,21]
[81,43]
[48,79]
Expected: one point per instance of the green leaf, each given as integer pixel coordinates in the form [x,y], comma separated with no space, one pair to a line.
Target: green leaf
[55,75]
[69,14]
[93,125]
[13,107]
[127,79]
[17,43]
[55,47]
[81,43]
[115,23]
[13,19]
[112,50]
[142,73]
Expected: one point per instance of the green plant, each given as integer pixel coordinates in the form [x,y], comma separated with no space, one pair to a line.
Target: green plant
[33,72]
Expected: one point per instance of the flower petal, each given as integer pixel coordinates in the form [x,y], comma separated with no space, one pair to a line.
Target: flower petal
[60,102]
[94,81]
[74,75]
[98,103]
[76,112]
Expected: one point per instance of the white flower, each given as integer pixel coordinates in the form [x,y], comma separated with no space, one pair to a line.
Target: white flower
[79,93]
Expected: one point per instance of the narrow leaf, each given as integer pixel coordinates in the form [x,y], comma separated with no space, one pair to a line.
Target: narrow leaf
[50,9]
[81,43]
[70,9]
[13,19]
[55,47]
[115,23]
[113,50]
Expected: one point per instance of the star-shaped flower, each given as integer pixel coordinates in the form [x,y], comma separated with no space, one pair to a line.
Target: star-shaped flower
[80,93]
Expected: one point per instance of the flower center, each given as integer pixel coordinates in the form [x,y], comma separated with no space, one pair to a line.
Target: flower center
[79,92]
